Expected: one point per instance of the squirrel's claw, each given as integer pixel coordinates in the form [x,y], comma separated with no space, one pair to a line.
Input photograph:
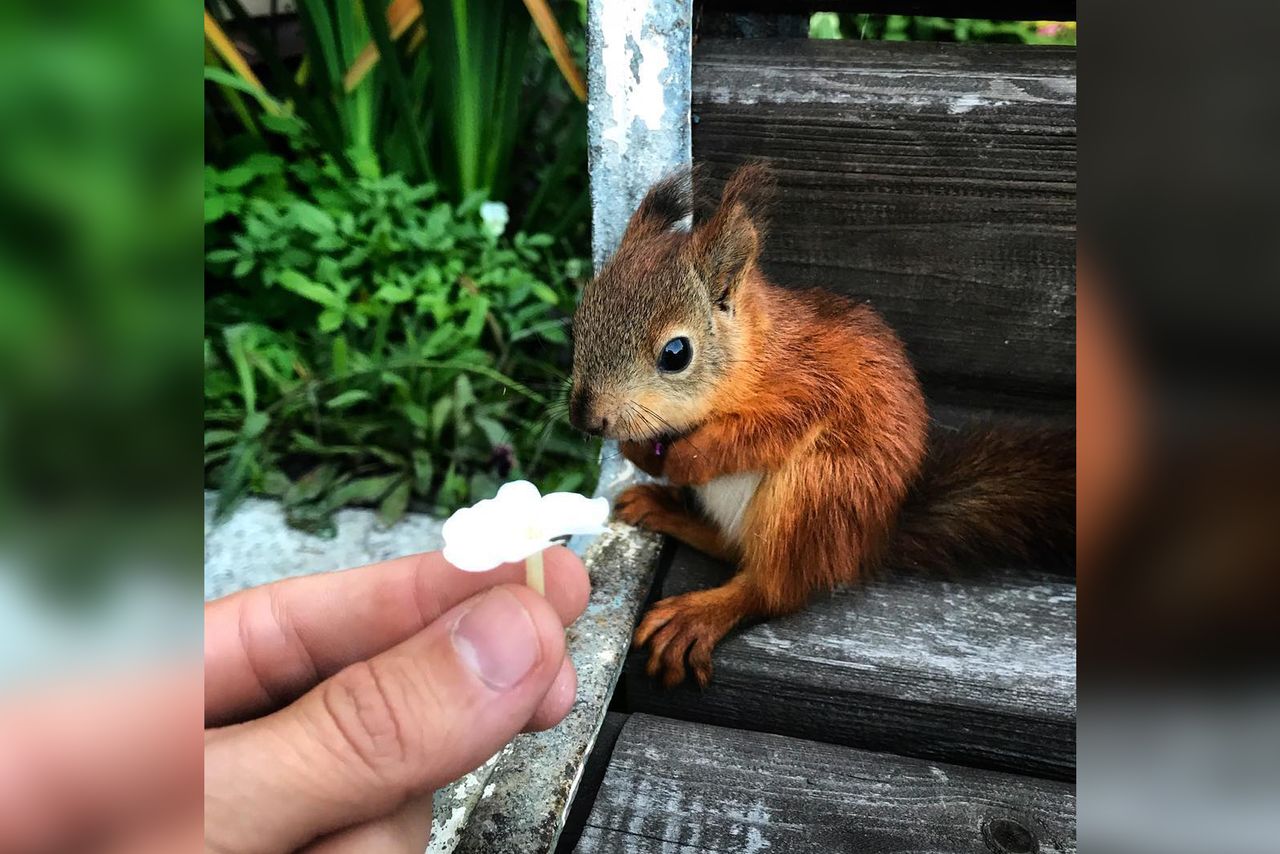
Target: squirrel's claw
[684,630]
[637,504]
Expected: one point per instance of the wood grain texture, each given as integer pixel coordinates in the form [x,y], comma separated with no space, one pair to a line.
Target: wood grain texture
[589,784]
[977,670]
[1000,10]
[682,787]
[936,182]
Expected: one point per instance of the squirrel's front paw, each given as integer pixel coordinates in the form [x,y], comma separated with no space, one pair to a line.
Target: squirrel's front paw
[647,504]
[685,628]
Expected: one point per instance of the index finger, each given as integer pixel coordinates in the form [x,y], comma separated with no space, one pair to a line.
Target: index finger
[266,646]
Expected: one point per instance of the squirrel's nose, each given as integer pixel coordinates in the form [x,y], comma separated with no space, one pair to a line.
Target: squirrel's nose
[581,416]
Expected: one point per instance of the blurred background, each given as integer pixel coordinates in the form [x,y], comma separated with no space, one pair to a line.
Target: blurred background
[394,228]
[99,302]
[1179,415]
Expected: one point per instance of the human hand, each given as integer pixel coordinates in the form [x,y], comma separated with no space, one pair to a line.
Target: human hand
[339,702]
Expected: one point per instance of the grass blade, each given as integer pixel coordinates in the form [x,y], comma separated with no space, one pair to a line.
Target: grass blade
[401,15]
[377,19]
[228,52]
[232,81]
[553,37]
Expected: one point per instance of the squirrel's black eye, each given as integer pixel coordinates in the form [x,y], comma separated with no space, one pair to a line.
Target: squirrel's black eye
[675,356]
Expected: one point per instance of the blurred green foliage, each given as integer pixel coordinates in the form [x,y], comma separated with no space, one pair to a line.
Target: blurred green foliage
[99,308]
[832,25]
[370,342]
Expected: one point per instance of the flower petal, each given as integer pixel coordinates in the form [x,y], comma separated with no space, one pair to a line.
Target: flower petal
[518,550]
[517,523]
[518,501]
[570,513]
[475,539]
[468,558]
[517,491]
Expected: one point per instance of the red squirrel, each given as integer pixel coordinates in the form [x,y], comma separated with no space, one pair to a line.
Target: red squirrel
[795,420]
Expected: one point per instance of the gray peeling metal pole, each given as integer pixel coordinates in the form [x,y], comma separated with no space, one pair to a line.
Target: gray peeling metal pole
[640,63]
[639,60]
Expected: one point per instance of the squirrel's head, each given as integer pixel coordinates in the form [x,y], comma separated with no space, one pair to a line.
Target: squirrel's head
[658,331]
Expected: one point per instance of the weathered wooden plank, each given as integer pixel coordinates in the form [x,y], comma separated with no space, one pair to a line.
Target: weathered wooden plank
[681,787]
[1000,10]
[593,772]
[978,670]
[936,182]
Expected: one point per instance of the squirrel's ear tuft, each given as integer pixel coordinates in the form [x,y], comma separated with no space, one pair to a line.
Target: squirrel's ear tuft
[668,204]
[728,243]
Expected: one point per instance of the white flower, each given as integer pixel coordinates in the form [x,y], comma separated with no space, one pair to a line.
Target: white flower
[495,216]
[517,523]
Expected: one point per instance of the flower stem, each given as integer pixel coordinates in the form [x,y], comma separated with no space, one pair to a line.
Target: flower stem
[533,573]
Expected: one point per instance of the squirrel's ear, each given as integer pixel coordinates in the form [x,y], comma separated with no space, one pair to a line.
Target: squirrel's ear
[728,243]
[667,204]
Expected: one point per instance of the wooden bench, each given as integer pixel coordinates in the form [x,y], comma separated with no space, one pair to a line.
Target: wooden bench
[936,182]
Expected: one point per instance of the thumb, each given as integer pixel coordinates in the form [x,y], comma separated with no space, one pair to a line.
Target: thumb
[384,730]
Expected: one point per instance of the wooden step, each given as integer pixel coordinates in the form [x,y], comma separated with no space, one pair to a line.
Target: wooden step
[978,671]
[1008,10]
[677,786]
[936,182]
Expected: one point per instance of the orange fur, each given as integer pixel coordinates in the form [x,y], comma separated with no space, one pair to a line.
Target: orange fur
[832,413]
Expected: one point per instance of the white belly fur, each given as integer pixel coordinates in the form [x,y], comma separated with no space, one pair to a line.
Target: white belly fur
[725,501]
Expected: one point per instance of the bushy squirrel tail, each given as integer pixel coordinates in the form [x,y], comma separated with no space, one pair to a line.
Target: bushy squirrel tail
[993,493]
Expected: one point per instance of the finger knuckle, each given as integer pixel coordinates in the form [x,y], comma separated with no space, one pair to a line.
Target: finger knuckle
[370,715]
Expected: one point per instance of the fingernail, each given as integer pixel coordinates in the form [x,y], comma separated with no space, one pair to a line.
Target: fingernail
[497,640]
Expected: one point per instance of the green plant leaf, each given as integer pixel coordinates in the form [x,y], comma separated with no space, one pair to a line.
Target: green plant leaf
[475,317]
[216,207]
[482,485]
[299,284]
[365,490]
[313,518]
[439,415]
[237,339]
[348,399]
[221,256]
[545,293]
[330,320]
[224,78]
[423,471]
[393,379]
[395,504]
[311,218]
[311,485]
[416,414]
[340,355]
[494,432]
[219,437]
[254,424]
[394,294]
